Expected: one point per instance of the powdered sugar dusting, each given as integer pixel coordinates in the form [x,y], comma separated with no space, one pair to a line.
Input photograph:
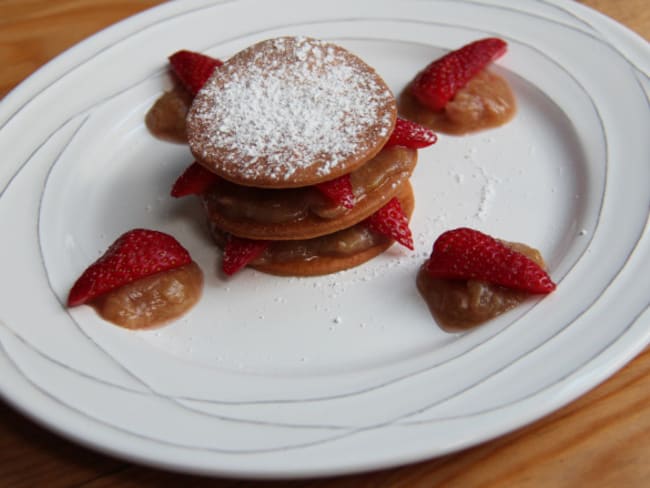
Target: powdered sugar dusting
[288,107]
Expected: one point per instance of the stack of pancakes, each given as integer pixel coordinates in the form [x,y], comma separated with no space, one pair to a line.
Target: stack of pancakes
[280,118]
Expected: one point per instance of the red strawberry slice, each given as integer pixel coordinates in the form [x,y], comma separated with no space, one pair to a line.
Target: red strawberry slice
[193,69]
[136,254]
[439,81]
[391,221]
[238,252]
[469,254]
[195,180]
[411,134]
[338,190]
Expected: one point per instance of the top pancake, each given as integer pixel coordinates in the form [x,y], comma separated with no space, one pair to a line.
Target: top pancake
[290,112]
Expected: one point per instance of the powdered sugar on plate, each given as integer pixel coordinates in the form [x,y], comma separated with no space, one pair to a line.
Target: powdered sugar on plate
[290,112]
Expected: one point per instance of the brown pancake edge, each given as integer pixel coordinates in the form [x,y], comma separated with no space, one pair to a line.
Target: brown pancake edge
[332,264]
[311,226]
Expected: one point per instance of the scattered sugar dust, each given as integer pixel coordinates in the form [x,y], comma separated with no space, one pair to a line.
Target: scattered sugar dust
[488,182]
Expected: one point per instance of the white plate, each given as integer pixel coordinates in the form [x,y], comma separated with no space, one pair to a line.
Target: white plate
[283,377]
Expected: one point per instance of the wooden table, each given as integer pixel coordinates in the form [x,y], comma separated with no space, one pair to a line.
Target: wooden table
[602,439]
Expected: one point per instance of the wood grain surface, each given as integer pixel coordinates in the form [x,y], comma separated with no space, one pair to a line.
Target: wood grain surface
[600,440]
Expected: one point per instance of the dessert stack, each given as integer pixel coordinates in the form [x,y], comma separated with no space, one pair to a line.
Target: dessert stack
[302,165]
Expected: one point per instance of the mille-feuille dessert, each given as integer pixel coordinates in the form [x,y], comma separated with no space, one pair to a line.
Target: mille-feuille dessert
[302,166]
[302,169]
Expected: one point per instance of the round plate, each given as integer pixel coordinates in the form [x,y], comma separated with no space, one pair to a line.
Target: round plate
[288,377]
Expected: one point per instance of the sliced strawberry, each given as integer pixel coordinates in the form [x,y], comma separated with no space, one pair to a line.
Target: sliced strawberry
[411,134]
[391,221]
[193,69]
[439,81]
[136,254]
[338,191]
[469,254]
[238,252]
[195,180]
